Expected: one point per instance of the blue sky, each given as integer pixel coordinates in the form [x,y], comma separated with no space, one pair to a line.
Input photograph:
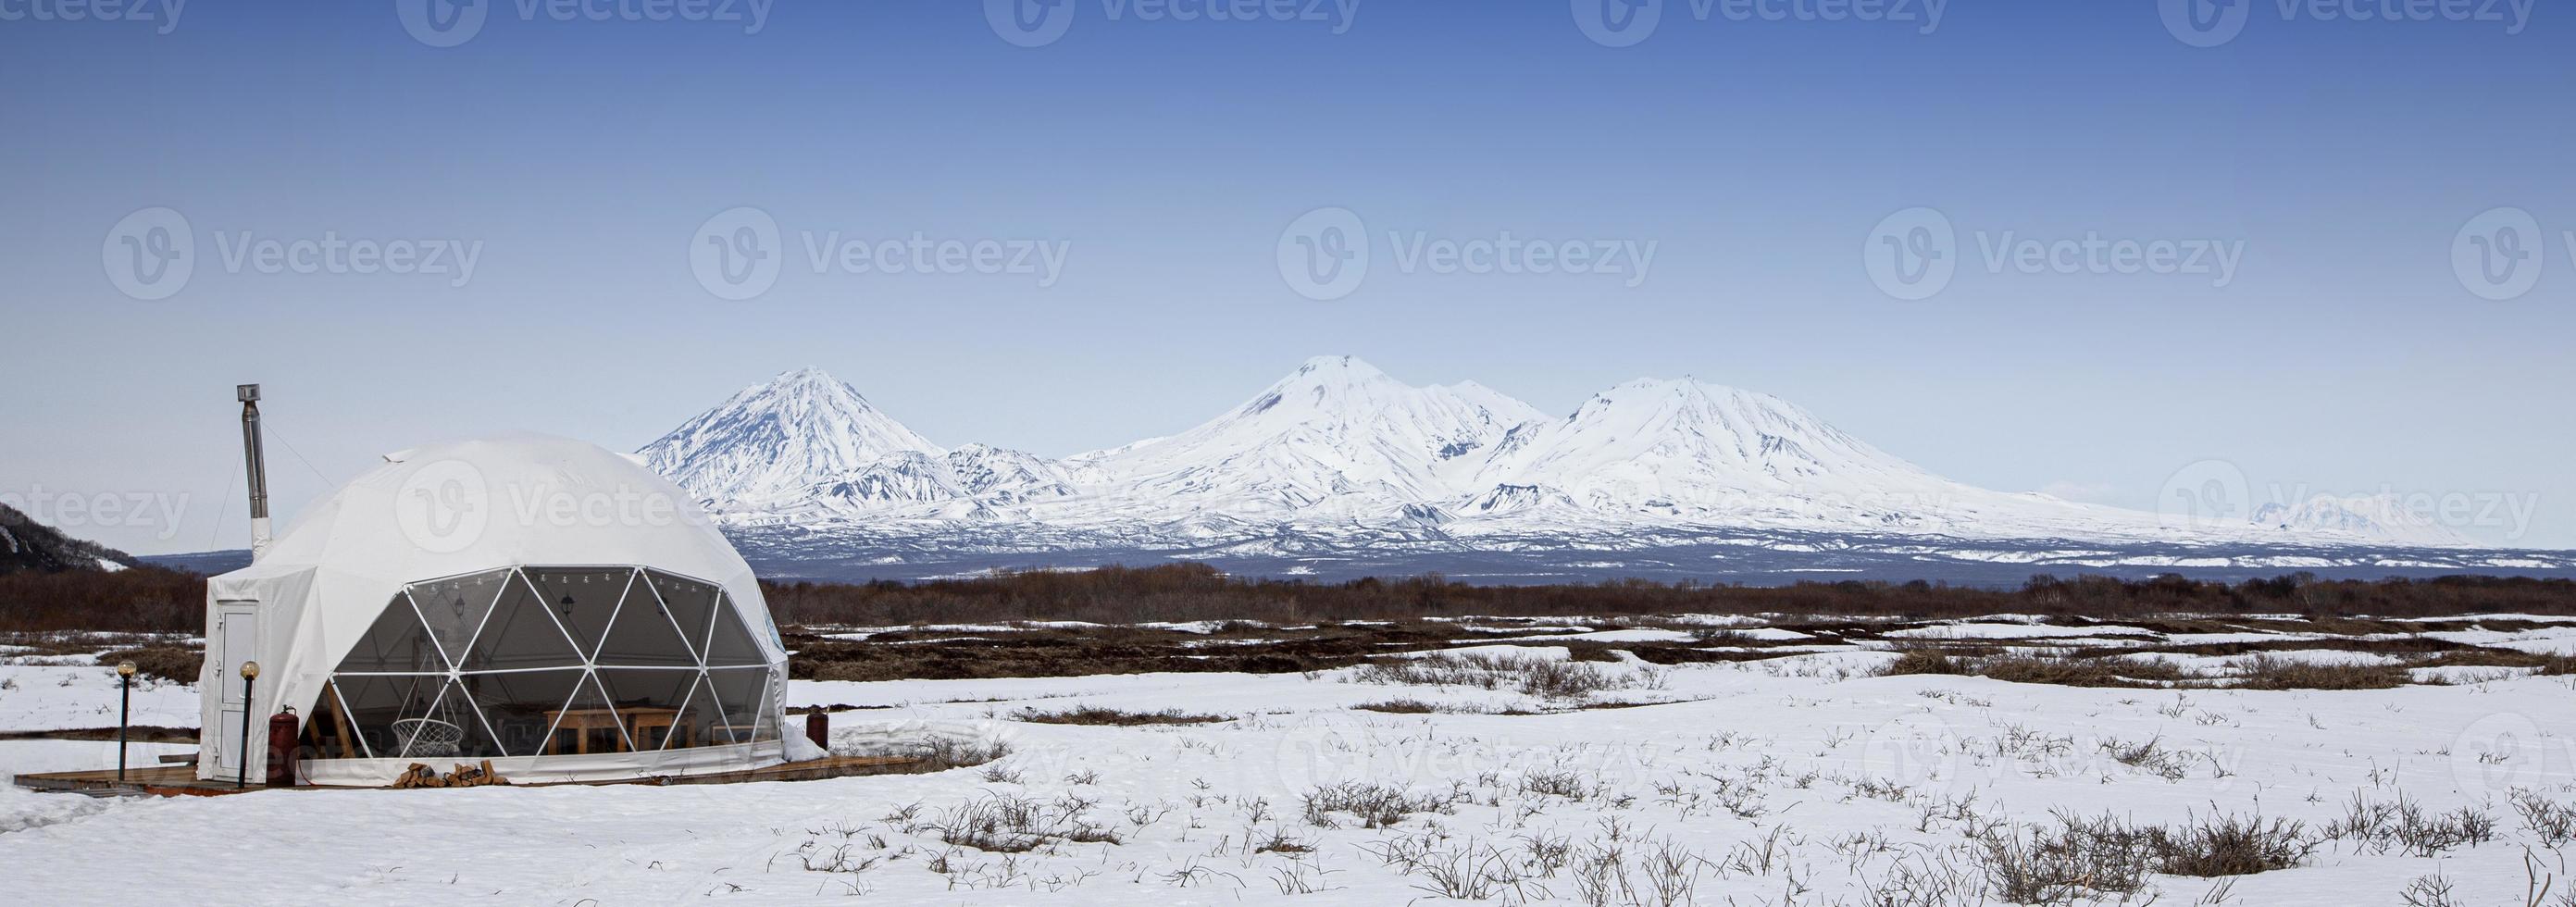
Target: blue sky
[579,153]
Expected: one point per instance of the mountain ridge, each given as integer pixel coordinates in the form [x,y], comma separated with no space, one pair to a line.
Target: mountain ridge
[1340,455]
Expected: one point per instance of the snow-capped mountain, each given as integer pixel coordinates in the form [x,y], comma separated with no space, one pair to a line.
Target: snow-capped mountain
[1338,460]
[1336,432]
[1684,448]
[807,444]
[773,444]
[2383,517]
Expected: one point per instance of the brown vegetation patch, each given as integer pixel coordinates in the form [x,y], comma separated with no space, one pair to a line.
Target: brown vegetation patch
[1113,717]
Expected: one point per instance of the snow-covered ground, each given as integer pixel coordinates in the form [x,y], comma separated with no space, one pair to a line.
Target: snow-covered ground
[1798,779]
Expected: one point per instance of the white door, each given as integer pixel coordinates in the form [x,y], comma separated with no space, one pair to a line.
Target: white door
[236,638]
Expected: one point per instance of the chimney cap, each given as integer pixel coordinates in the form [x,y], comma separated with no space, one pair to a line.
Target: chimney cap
[246,393]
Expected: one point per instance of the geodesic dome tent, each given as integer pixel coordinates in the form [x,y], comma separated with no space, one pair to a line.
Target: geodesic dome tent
[538,602]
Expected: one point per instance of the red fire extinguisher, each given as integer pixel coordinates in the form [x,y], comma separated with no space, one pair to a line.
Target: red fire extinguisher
[281,749]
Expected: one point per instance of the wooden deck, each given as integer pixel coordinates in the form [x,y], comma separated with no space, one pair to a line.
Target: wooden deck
[182,780]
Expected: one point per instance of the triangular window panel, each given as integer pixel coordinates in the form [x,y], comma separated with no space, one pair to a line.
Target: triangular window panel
[701,719]
[396,644]
[766,727]
[692,605]
[520,706]
[644,636]
[454,608]
[739,695]
[520,634]
[582,599]
[649,701]
[731,645]
[587,724]
[385,709]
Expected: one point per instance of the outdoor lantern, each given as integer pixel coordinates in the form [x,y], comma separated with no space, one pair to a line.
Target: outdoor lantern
[241,777]
[124,712]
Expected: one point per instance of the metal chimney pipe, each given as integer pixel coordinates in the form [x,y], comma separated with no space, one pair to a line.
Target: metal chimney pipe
[257,461]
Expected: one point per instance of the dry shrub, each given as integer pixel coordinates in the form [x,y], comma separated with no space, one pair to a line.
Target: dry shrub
[178,664]
[1114,717]
[2034,667]
[2263,672]
[1917,660]
[1399,707]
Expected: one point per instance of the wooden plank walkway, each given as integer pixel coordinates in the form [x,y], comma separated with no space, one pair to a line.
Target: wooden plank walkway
[182,780]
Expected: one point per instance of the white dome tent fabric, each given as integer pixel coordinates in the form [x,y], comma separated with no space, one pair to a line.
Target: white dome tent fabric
[539,602]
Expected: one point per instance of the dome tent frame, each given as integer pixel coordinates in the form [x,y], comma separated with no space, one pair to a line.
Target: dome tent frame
[321,608]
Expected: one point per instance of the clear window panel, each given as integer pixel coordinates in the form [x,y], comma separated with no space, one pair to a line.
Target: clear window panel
[643,634]
[731,645]
[582,599]
[765,729]
[692,604]
[588,724]
[739,695]
[702,720]
[648,701]
[520,635]
[414,717]
[521,705]
[454,608]
[396,644]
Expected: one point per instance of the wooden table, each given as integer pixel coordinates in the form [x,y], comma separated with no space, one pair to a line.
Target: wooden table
[642,719]
[584,722]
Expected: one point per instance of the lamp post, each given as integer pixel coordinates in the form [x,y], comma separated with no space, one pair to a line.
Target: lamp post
[124,712]
[241,764]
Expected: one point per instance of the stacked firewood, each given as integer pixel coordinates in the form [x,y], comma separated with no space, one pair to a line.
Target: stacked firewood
[419,775]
